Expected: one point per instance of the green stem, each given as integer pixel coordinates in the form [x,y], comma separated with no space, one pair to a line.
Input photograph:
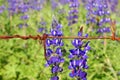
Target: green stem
[108,60]
[111,68]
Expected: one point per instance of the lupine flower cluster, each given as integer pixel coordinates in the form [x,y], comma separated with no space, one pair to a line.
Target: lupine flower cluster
[84,1]
[36,4]
[16,6]
[42,29]
[98,14]
[63,2]
[113,4]
[54,4]
[22,7]
[2,8]
[78,58]
[53,51]
[73,13]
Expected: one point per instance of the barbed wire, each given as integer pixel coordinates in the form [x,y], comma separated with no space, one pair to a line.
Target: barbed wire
[44,37]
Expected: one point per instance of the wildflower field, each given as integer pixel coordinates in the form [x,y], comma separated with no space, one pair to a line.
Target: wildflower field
[59,39]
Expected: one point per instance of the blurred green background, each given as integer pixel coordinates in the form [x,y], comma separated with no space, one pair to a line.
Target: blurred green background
[24,59]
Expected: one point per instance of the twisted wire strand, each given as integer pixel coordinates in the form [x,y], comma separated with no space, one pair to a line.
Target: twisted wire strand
[46,36]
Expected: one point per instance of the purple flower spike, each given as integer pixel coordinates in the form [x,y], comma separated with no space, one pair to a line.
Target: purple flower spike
[49,52]
[24,17]
[56,69]
[54,78]
[98,13]
[72,75]
[48,42]
[79,33]
[82,74]
[2,8]
[59,51]
[103,30]
[63,2]
[54,55]
[54,4]
[77,42]
[41,29]
[113,4]
[78,58]
[73,13]
[54,33]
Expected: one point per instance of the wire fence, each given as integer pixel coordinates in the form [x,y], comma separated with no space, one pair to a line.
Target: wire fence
[42,38]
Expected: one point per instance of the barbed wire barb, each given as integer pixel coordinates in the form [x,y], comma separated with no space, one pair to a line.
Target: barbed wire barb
[44,37]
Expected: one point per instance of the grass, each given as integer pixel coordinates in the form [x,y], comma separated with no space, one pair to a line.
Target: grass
[24,59]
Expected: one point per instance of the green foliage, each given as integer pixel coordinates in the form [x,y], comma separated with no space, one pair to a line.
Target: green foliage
[24,60]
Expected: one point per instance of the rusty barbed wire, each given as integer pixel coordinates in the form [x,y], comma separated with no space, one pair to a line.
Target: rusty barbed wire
[45,36]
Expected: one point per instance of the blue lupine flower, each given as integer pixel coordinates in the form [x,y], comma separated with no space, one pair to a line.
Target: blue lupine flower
[36,4]
[15,6]
[54,78]
[59,51]
[84,1]
[54,4]
[41,29]
[43,23]
[2,8]
[113,4]
[79,73]
[56,69]
[54,56]
[98,14]
[24,8]
[48,42]
[73,13]
[63,2]
[24,17]
[20,25]
[21,6]
[49,52]
[78,58]
[77,42]
[23,25]
[54,60]
[106,29]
